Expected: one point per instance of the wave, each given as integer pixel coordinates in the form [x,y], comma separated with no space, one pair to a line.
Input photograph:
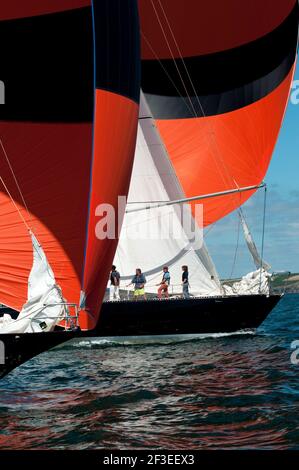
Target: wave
[115,341]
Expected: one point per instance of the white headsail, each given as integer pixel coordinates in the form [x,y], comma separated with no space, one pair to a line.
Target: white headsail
[44,307]
[145,241]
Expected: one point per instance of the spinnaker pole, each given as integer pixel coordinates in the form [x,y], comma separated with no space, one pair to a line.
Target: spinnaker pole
[156,204]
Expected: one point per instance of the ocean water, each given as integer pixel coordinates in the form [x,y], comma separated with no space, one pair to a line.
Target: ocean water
[227,392]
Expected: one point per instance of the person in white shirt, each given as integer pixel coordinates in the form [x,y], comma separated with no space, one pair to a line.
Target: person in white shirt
[114,284]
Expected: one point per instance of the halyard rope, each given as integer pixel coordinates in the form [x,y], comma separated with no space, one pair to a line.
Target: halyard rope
[212,132]
[18,187]
[16,207]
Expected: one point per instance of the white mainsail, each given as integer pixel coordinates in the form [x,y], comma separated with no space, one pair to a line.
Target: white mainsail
[145,241]
[45,305]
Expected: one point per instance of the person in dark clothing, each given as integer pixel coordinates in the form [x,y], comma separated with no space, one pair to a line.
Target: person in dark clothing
[114,284]
[185,282]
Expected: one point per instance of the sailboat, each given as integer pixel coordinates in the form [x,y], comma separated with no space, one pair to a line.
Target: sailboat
[213,101]
[213,307]
[69,119]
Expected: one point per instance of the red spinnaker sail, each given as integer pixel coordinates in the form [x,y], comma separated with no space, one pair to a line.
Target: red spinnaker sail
[71,75]
[217,76]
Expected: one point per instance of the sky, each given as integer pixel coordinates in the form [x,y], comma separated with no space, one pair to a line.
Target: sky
[282,216]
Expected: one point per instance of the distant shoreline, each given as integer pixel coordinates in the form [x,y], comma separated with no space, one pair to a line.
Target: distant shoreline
[285,282]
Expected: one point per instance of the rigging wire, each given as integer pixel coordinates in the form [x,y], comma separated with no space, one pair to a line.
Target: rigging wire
[166,72]
[18,187]
[15,205]
[14,177]
[263,235]
[212,131]
[28,227]
[236,250]
[173,58]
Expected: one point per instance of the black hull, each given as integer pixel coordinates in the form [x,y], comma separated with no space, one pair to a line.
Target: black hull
[178,316]
[147,318]
[17,349]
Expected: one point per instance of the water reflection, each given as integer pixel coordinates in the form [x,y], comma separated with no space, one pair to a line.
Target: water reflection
[231,392]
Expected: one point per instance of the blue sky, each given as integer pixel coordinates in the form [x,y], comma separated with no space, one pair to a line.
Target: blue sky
[282,221]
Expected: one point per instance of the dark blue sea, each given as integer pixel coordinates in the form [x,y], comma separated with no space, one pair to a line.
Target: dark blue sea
[232,392]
